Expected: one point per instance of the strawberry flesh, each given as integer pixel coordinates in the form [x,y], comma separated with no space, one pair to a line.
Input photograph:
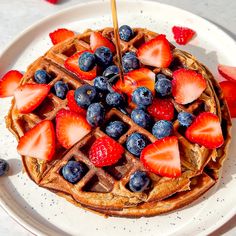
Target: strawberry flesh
[30,96]
[72,64]
[9,82]
[162,157]
[228,72]
[155,52]
[187,85]
[206,131]
[182,35]
[70,127]
[98,40]
[38,142]
[60,35]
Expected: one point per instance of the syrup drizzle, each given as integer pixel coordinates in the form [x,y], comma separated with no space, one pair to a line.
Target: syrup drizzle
[117,38]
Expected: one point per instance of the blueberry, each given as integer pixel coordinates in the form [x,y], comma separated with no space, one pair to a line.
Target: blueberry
[103,56]
[139,181]
[135,143]
[85,95]
[130,61]
[4,167]
[142,97]
[162,129]
[42,77]
[115,129]
[95,114]
[114,99]
[101,83]
[61,89]
[163,86]
[111,71]
[126,33]
[86,61]
[74,171]
[141,118]
[185,118]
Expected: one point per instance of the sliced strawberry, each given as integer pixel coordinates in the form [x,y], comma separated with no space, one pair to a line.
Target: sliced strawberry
[98,40]
[228,72]
[162,157]
[182,35]
[161,109]
[9,82]
[73,105]
[229,91]
[38,142]
[61,35]
[30,96]
[136,78]
[206,131]
[155,52]
[70,127]
[187,85]
[72,64]
[52,1]
[105,152]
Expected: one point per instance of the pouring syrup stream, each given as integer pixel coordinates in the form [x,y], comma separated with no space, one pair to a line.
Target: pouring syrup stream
[117,38]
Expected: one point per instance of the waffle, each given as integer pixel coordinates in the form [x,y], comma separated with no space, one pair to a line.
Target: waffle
[105,189]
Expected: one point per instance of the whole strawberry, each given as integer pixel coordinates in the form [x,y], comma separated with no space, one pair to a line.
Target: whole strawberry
[105,152]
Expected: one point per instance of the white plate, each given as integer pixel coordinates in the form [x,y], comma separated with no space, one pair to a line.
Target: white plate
[44,213]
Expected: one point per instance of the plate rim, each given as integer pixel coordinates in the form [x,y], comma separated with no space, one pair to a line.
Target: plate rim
[27,226]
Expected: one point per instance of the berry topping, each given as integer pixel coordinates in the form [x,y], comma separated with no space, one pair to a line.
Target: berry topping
[105,152]
[111,71]
[139,181]
[38,142]
[86,61]
[162,157]
[30,96]
[70,127]
[42,77]
[74,171]
[135,143]
[134,79]
[115,99]
[142,97]
[72,104]
[162,129]
[9,82]
[130,61]
[228,72]
[52,1]
[161,109]
[141,118]
[155,52]
[206,131]
[85,95]
[187,85]
[101,83]
[72,64]
[61,35]
[182,35]
[95,114]
[185,118]
[97,41]
[61,89]
[163,86]
[103,56]
[126,33]
[229,91]
[115,129]
[4,167]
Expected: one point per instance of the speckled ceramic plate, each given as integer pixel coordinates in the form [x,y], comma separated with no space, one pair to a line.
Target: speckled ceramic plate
[44,213]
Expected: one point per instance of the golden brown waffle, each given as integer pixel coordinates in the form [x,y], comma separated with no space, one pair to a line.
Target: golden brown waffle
[104,189]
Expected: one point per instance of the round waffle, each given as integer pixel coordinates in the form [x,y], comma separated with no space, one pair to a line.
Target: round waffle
[105,189]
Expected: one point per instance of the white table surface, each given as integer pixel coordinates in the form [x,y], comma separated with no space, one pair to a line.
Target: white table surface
[16,15]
